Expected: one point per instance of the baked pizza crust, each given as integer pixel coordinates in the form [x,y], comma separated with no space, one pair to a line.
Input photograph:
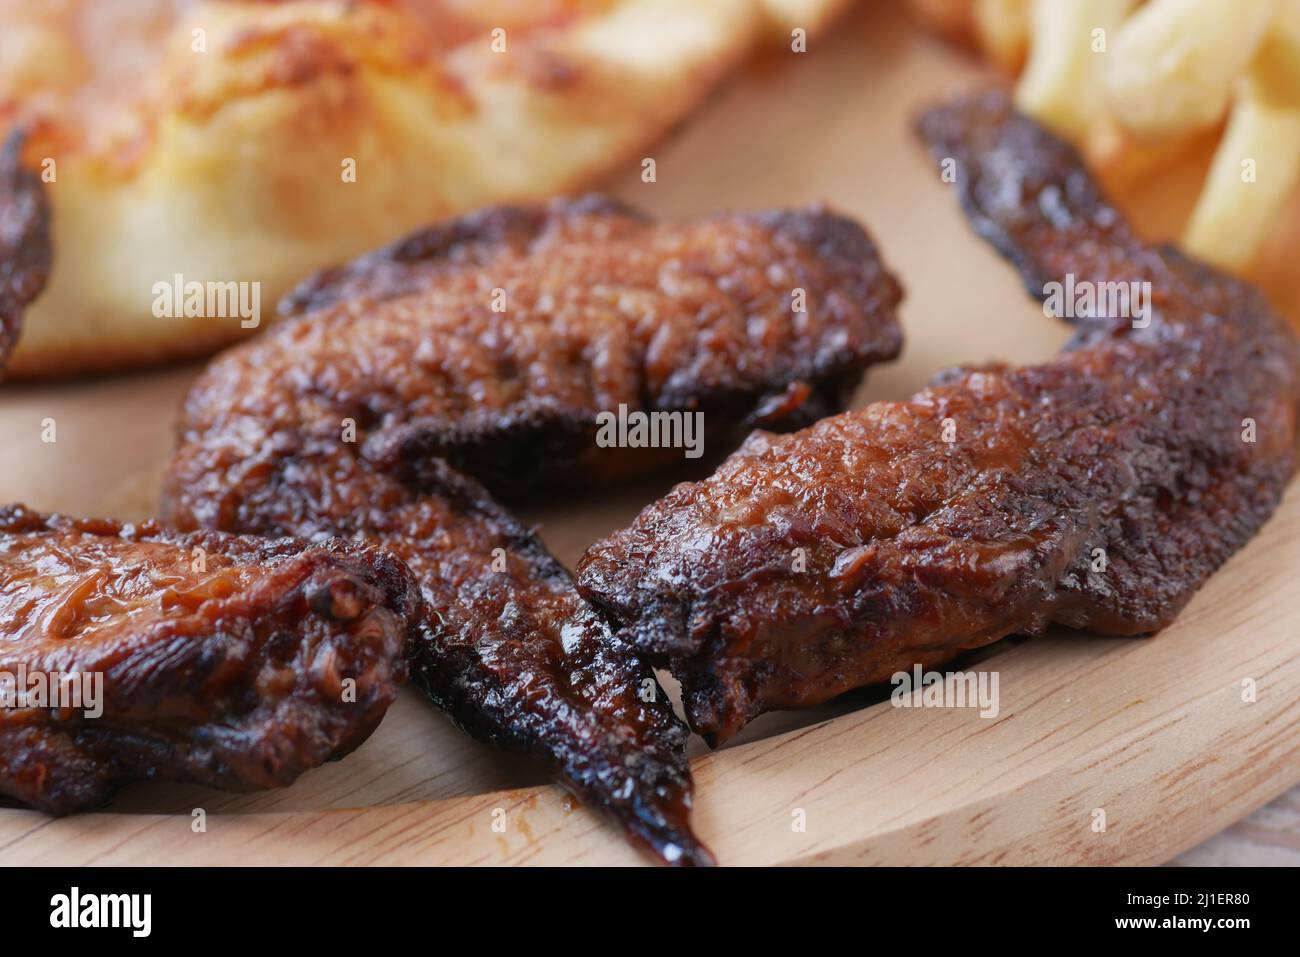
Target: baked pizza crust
[213,141]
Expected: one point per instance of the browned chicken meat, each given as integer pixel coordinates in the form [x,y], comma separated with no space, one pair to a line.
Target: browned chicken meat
[131,652]
[1097,491]
[490,346]
[497,340]
[25,250]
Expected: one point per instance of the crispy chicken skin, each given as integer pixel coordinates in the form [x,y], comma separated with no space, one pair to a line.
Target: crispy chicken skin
[602,307]
[227,661]
[25,252]
[495,340]
[1097,491]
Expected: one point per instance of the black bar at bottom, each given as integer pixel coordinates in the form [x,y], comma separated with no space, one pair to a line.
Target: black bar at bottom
[386,907]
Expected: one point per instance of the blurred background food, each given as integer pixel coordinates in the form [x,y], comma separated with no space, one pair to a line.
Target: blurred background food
[1165,96]
[254,142]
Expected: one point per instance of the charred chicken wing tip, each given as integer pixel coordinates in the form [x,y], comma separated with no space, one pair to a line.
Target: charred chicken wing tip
[25,248]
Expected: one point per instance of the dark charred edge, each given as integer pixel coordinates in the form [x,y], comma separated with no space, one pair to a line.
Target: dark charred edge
[71,781]
[397,269]
[839,241]
[984,128]
[26,252]
[822,398]
[656,624]
[655,818]
[658,825]
[988,137]
[509,455]
[544,450]
[854,264]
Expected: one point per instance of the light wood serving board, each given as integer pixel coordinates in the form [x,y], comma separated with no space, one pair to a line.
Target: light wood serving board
[1152,732]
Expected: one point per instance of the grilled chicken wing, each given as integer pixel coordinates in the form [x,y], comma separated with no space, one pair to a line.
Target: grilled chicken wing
[204,657]
[25,251]
[495,341]
[1097,491]
[361,415]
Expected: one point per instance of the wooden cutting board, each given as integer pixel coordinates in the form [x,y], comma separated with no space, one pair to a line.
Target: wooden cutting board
[1153,732]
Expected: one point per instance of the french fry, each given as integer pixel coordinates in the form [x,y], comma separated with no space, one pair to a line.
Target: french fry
[810,15]
[1063,85]
[1002,31]
[1121,161]
[1254,169]
[1276,68]
[1174,63]
[1258,162]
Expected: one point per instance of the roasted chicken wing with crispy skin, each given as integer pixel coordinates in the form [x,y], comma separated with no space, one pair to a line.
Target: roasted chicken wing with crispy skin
[233,662]
[1097,491]
[25,251]
[395,376]
[494,341]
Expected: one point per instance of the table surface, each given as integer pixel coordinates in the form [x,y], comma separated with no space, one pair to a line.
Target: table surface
[1270,837]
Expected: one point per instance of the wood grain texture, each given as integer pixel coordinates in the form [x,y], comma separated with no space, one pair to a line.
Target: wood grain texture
[1152,731]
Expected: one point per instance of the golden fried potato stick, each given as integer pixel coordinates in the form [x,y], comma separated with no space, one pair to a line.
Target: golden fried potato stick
[1174,62]
[1258,162]
[782,16]
[1002,31]
[1276,67]
[1063,85]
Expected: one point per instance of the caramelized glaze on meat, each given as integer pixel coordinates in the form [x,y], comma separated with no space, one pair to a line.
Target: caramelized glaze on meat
[25,251]
[829,559]
[598,307]
[602,307]
[225,661]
